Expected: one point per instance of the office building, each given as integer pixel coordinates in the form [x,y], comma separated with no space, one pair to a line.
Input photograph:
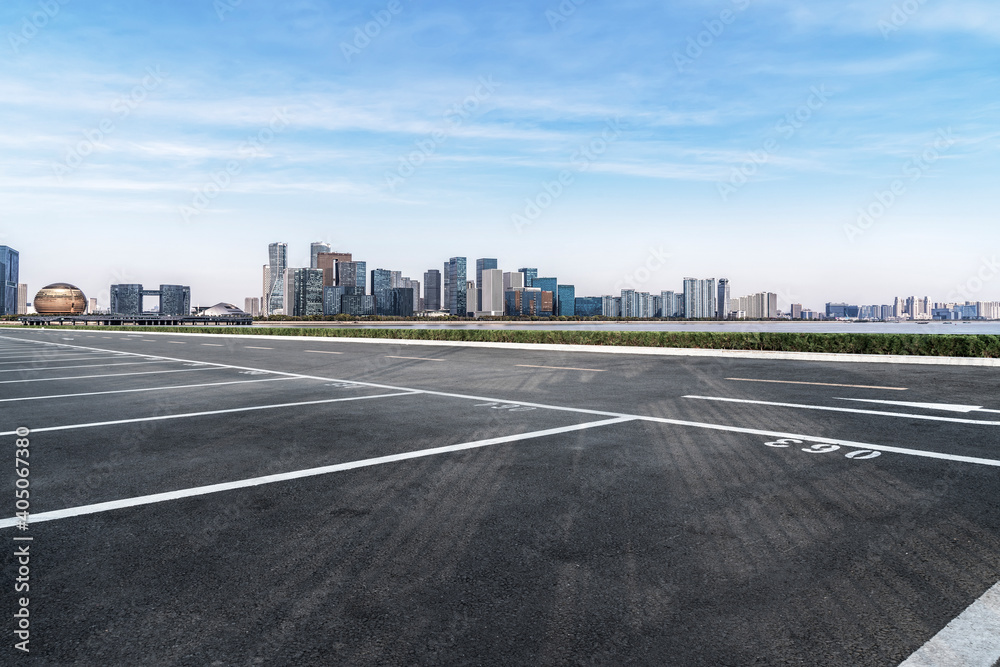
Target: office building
[358,305]
[588,306]
[566,300]
[277,256]
[315,249]
[432,290]
[9,275]
[485,264]
[842,311]
[513,280]
[327,262]
[303,292]
[251,306]
[700,298]
[611,306]
[352,274]
[457,296]
[126,299]
[796,311]
[523,301]
[470,297]
[491,292]
[22,299]
[381,283]
[92,307]
[722,300]
[175,300]
[395,302]
[529,276]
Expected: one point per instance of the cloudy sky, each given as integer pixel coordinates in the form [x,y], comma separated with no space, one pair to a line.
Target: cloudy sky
[826,151]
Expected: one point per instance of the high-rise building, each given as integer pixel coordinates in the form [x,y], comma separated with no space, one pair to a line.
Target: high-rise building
[482,265]
[456,297]
[394,302]
[251,305]
[175,300]
[588,306]
[513,280]
[523,301]
[673,303]
[432,289]
[566,300]
[303,292]
[126,299]
[352,274]
[357,304]
[529,276]
[491,292]
[382,282]
[611,306]
[760,306]
[700,298]
[722,300]
[327,261]
[92,305]
[274,297]
[9,275]
[315,249]
[470,295]
[796,311]
[545,284]
[22,299]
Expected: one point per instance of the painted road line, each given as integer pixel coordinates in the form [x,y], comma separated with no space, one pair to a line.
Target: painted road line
[176,342]
[212,344]
[299,474]
[971,640]
[954,420]
[187,415]
[45,360]
[251,347]
[323,352]
[389,356]
[563,368]
[820,384]
[59,368]
[605,413]
[129,391]
[946,407]
[114,375]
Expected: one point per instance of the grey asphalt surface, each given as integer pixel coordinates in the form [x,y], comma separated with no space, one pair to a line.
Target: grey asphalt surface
[638,542]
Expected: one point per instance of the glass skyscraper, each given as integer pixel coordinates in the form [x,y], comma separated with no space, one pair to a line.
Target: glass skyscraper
[303,293]
[277,256]
[588,306]
[700,298]
[352,274]
[314,250]
[456,299]
[432,290]
[481,265]
[9,274]
[529,276]
[566,300]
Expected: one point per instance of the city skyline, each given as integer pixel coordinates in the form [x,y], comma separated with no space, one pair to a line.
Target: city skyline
[791,147]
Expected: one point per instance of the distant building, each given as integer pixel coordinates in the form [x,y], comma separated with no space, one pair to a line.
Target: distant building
[456,296]
[314,250]
[796,311]
[513,280]
[352,274]
[92,307]
[491,292]
[588,306]
[303,292]
[432,289]
[485,264]
[611,306]
[700,298]
[759,306]
[673,303]
[126,299]
[22,299]
[251,305]
[395,302]
[380,284]
[175,300]
[327,262]
[722,300]
[523,301]
[357,304]
[9,275]
[842,310]
[274,299]
[566,300]
[470,296]
[529,276]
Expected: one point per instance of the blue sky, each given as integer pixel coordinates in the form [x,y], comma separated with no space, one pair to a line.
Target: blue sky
[170,142]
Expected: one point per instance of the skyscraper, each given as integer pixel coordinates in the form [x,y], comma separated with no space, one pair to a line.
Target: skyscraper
[457,298]
[9,274]
[327,261]
[566,300]
[303,292]
[700,298]
[529,276]
[22,299]
[491,292]
[381,284]
[175,300]
[432,290]
[277,263]
[126,299]
[513,280]
[482,265]
[251,305]
[722,300]
[352,274]
[315,249]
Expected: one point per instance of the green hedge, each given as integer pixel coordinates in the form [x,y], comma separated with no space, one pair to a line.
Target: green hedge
[942,345]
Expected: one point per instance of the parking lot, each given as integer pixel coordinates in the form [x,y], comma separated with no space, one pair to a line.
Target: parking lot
[216,499]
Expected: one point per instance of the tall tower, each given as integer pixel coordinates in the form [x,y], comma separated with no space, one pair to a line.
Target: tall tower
[315,249]
[277,256]
[9,271]
[432,290]
[722,303]
[456,301]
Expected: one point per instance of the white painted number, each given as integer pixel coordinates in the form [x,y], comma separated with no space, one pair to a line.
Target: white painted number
[863,454]
[821,449]
[784,442]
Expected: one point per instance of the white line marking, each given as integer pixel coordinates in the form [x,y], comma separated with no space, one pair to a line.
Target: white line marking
[947,407]
[662,420]
[389,356]
[251,347]
[955,420]
[114,375]
[59,368]
[563,368]
[129,391]
[820,384]
[324,352]
[971,640]
[212,344]
[89,357]
[70,427]
[299,474]
[176,342]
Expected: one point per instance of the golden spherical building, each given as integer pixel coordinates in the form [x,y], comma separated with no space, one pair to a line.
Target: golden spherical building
[60,299]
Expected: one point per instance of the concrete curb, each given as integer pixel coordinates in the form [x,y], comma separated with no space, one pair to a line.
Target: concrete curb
[609,349]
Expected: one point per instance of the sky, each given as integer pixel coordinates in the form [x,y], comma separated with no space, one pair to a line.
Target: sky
[825,151]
